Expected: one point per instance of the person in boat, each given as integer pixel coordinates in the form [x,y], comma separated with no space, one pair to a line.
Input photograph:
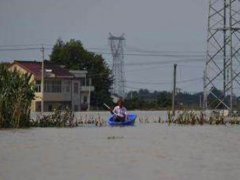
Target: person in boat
[119,111]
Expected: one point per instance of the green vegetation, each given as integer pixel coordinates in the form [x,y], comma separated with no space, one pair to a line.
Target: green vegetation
[73,55]
[16,94]
[58,118]
[145,100]
[162,100]
[194,118]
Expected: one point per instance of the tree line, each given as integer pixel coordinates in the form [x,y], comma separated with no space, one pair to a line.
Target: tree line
[143,99]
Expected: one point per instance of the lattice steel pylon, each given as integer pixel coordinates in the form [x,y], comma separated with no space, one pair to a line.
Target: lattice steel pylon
[222,71]
[116,45]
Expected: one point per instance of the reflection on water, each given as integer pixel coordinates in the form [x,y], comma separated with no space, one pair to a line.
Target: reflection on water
[145,151]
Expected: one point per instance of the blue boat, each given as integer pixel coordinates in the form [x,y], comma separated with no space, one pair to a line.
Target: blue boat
[129,122]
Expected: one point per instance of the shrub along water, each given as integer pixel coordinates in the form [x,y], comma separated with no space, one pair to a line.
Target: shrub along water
[16,94]
[59,118]
[194,118]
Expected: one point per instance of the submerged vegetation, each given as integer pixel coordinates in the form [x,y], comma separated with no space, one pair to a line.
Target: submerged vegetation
[193,118]
[58,118]
[181,118]
[199,118]
[16,94]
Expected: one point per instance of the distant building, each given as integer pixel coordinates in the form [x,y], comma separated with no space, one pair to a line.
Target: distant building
[62,87]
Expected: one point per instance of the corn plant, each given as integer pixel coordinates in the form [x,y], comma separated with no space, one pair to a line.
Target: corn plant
[16,95]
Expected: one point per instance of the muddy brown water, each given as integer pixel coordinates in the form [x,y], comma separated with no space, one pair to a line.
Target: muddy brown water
[145,151]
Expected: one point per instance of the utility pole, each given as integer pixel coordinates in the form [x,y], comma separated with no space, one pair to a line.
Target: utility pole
[42,80]
[89,93]
[200,101]
[174,89]
[222,70]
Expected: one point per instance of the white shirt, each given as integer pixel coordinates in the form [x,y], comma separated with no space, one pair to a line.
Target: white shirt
[121,112]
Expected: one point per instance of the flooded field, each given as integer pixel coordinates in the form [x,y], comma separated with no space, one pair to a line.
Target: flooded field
[146,151]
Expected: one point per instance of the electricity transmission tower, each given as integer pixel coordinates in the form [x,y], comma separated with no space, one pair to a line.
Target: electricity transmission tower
[222,71]
[116,45]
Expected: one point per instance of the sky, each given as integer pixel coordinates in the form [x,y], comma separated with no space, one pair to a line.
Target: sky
[158,34]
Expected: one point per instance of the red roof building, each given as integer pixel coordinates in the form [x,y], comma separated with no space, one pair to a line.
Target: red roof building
[51,69]
[62,88]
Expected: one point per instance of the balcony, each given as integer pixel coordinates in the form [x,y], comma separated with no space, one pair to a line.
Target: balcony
[57,96]
[87,88]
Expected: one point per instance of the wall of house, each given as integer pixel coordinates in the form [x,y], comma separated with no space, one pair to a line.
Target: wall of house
[57,99]
[70,92]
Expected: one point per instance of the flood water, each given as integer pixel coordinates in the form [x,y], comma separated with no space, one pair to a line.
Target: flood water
[143,152]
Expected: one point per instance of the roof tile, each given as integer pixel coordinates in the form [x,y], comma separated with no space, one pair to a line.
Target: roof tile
[35,67]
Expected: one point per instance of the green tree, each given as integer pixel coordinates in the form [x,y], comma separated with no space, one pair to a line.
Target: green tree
[164,99]
[16,95]
[73,55]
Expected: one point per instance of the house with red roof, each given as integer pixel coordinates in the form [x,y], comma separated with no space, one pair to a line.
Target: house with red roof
[62,87]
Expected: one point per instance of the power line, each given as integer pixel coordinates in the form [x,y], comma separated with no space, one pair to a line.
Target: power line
[24,45]
[19,49]
[166,82]
[153,54]
[191,66]
[165,62]
[108,53]
[173,54]
[163,51]
[146,68]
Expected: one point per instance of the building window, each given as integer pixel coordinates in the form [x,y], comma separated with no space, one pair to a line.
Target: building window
[75,107]
[53,86]
[38,86]
[83,81]
[85,99]
[68,84]
[56,86]
[76,88]
[50,108]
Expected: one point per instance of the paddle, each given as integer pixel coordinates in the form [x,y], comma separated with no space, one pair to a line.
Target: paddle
[109,109]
